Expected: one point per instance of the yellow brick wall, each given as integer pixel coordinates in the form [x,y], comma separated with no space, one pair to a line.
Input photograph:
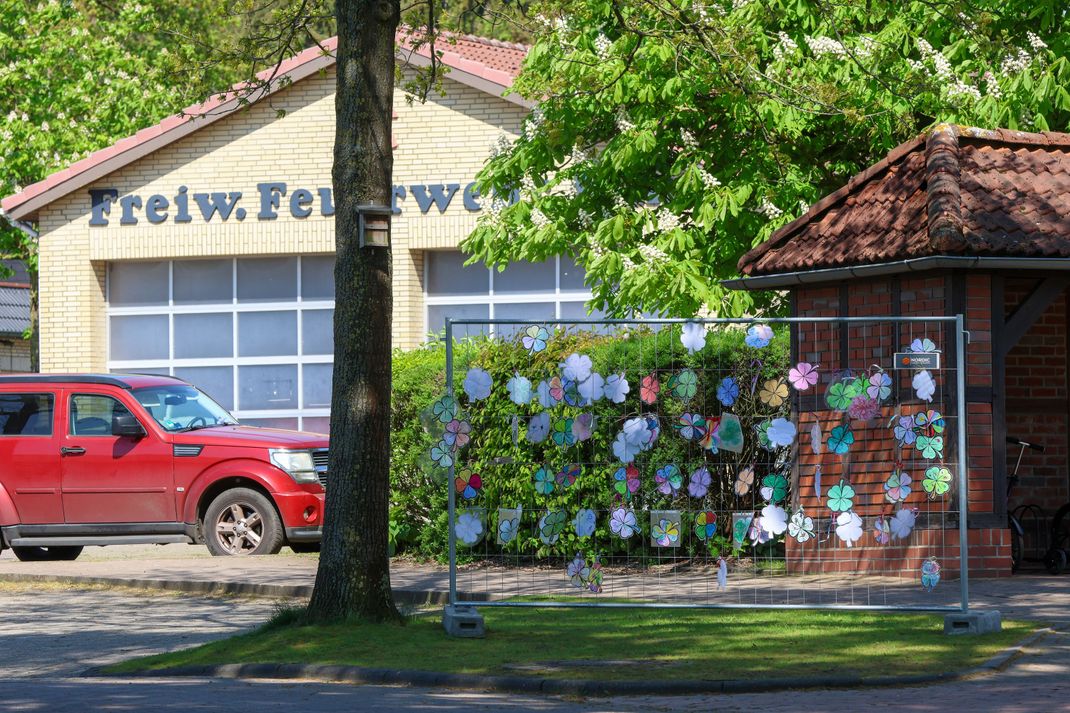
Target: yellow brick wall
[445,140]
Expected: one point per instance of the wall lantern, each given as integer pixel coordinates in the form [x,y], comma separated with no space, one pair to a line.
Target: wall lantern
[374,225]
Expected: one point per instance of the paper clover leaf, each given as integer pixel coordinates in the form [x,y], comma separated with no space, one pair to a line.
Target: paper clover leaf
[535,338]
[477,384]
[550,392]
[624,451]
[781,432]
[693,336]
[924,385]
[840,439]
[468,484]
[930,447]
[841,496]
[774,488]
[880,386]
[568,474]
[803,376]
[616,388]
[801,527]
[922,345]
[545,481]
[442,454]
[562,434]
[903,523]
[637,431]
[519,388]
[648,389]
[929,423]
[456,434]
[583,426]
[578,572]
[761,430]
[744,481]
[759,335]
[445,409]
[684,385]
[508,529]
[576,367]
[592,389]
[882,530]
[705,525]
[469,528]
[551,525]
[904,431]
[666,532]
[849,528]
[700,481]
[584,523]
[897,487]
[930,574]
[774,520]
[937,481]
[691,426]
[626,482]
[773,393]
[669,479]
[622,523]
[539,427]
[727,391]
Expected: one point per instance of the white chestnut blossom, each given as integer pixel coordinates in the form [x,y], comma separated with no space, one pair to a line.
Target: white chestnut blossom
[992,86]
[667,220]
[653,255]
[1035,42]
[785,47]
[821,46]
[602,45]
[624,123]
[769,210]
[708,179]
[538,218]
[532,124]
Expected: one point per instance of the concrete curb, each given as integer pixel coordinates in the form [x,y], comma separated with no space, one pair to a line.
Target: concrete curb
[566,687]
[405,597]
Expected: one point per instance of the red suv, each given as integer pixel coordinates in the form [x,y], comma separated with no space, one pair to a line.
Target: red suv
[116,459]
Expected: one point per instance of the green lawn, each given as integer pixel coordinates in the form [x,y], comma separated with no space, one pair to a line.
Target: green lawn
[624,644]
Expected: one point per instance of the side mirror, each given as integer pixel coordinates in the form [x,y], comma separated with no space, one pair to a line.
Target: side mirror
[124,424]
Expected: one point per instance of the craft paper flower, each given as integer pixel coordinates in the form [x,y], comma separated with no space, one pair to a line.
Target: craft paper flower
[761,430]
[684,384]
[897,487]
[477,384]
[929,423]
[849,528]
[666,533]
[773,393]
[904,431]
[545,481]
[616,388]
[654,426]
[759,335]
[626,481]
[922,345]
[583,426]
[570,390]
[816,438]
[442,454]
[693,337]
[740,528]
[596,577]
[841,496]
[881,530]
[880,386]
[578,572]
[930,447]
[727,391]
[801,527]
[649,387]
[593,388]
[903,523]
[840,439]
[508,529]
[637,431]
[691,426]
[576,367]
[535,339]
[924,385]
[774,520]
[563,435]
[937,481]
[744,481]
[930,574]
[709,440]
[863,408]
[699,484]
[622,523]
[539,427]
[468,484]
[774,488]
[568,475]
[550,392]
[456,434]
[669,479]
[519,388]
[445,409]
[551,525]
[705,525]
[469,528]
[803,376]
[623,450]
[584,523]
[781,432]
[758,534]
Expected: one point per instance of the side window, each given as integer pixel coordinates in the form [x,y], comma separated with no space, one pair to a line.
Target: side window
[91,415]
[26,414]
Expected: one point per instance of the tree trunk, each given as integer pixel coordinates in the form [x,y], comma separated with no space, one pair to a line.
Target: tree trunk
[353,579]
[35,332]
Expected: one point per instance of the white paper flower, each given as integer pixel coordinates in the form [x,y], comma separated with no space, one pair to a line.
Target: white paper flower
[849,527]
[584,523]
[781,432]
[592,389]
[519,388]
[469,528]
[693,337]
[774,520]
[924,385]
[623,450]
[477,384]
[576,367]
[538,427]
[637,432]
[616,388]
[903,523]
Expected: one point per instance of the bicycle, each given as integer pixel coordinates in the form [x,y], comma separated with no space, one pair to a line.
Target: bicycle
[1014,521]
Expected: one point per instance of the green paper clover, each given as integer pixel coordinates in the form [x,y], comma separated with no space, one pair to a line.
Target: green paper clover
[774,488]
[841,497]
[937,481]
[684,385]
[930,447]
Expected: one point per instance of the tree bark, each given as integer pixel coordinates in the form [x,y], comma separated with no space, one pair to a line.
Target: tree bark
[353,579]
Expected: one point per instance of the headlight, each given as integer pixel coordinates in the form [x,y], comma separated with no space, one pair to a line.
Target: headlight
[297,463]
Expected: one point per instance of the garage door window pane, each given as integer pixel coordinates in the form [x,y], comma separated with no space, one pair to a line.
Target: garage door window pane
[271,279]
[526,277]
[267,387]
[318,328]
[447,275]
[436,319]
[289,424]
[318,385]
[572,275]
[139,337]
[216,381]
[203,281]
[317,424]
[267,333]
[317,277]
[133,284]
[524,314]
[203,335]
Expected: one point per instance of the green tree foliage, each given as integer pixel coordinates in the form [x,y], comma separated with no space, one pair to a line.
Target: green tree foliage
[671,137]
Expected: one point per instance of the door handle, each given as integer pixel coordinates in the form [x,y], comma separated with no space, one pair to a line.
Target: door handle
[71,450]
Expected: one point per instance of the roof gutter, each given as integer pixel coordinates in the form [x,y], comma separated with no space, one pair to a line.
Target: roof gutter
[919,264]
[26,228]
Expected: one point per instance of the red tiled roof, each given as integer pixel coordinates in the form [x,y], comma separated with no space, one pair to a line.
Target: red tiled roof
[954,191]
[492,61]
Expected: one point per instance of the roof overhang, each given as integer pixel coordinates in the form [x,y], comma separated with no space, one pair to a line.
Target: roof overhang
[921,264]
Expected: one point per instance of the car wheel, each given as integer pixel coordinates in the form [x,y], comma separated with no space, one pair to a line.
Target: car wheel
[46,554]
[305,547]
[242,522]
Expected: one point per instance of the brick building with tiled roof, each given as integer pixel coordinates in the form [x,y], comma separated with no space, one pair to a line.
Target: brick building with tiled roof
[14,317]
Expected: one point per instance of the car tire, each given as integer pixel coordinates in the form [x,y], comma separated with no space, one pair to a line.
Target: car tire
[47,554]
[241,522]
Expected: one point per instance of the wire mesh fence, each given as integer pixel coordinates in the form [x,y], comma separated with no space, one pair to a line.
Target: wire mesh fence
[707,463]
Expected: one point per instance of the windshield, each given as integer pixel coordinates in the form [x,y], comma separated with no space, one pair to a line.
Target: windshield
[182,408]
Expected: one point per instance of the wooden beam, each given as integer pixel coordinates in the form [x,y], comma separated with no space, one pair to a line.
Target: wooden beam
[1029,311]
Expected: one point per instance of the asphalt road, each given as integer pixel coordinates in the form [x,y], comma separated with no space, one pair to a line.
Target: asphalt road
[49,635]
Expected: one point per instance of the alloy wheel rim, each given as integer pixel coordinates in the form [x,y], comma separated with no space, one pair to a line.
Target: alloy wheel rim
[239,529]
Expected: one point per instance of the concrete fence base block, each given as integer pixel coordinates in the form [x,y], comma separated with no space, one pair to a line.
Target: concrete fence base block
[464,622]
[973,622]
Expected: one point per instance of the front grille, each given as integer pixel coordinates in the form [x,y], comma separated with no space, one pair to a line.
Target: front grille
[320,460]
